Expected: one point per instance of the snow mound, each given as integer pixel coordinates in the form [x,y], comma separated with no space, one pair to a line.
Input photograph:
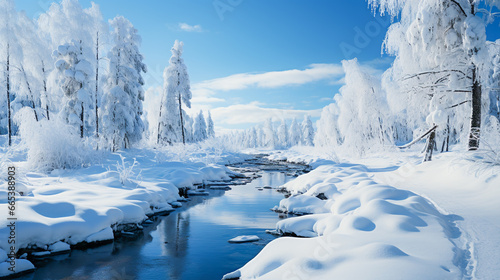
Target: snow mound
[21,266]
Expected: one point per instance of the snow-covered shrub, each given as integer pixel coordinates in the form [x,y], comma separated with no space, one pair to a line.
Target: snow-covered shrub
[126,171]
[51,144]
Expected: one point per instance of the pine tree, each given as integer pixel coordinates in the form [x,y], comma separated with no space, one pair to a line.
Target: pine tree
[252,138]
[295,133]
[122,100]
[283,135]
[176,91]
[269,136]
[307,131]
[188,128]
[200,128]
[210,126]
[74,78]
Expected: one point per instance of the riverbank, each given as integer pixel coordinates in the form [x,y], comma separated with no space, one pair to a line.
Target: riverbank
[80,208]
[120,199]
[387,218]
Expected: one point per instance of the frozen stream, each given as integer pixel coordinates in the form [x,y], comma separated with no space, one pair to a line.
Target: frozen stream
[190,243]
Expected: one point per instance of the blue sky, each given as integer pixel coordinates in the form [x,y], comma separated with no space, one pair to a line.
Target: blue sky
[252,59]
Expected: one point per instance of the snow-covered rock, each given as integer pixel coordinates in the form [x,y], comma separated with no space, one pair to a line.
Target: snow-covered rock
[244,239]
[103,235]
[59,247]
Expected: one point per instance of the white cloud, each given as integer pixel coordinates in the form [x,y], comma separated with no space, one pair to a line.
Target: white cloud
[254,113]
[274,79]
[206,90]
[190,28]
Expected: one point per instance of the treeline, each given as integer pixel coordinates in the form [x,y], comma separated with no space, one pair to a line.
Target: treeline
[275,135]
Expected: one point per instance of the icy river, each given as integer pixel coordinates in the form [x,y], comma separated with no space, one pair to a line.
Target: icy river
[189,243]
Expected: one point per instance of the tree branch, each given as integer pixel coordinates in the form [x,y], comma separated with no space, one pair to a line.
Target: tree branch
[459,7]
[433,72]
[458,104]
[419,138]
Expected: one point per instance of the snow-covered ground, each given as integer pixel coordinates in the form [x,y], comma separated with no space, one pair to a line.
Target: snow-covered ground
[74,206]
[388,218]
[385,217]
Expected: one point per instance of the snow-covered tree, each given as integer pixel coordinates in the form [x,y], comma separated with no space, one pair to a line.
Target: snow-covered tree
[176,91]
[251,138]
[269,135]
[210,126]
[66,21]
[188,128]
[75,74]
[283,141]
[362,110]
[62,23]
[99,31]
[328,133]
[295,133]
[11,56]
[440,52]
[494,79]
[30,72]
[307,131]
[200,128]
[123,97]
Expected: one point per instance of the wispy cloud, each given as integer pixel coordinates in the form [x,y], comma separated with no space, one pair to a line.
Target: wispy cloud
[206,90]
[274,79]
[254,112]
[190,28]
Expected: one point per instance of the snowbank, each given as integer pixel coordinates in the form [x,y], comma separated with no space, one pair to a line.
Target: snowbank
[363,230]
[84,206]
[462,184]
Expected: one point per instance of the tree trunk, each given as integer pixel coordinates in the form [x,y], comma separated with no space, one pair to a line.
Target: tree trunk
[446,141]
[182,121]
[430,146]
[159,123]
[8,96]
[475,124]
[45,91]
[81,120]
[31,93]
[97,88]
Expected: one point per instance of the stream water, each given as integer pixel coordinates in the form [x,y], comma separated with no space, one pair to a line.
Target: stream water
[189,243]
